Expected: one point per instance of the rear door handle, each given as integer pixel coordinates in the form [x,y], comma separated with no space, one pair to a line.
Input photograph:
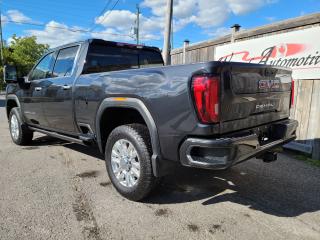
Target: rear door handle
[38,89]
[66,87]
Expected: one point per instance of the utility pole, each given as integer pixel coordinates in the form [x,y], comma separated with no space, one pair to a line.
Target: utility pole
[167,31]
[136,29]
[1,38]
[171,43]
[1,50]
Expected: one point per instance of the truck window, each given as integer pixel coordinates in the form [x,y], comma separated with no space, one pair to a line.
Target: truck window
[65,61]
[44,68]
[104,58]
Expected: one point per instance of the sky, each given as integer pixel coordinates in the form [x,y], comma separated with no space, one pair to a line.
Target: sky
[57,22]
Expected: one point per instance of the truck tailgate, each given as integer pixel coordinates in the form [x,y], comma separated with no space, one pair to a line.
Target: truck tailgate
[252,95]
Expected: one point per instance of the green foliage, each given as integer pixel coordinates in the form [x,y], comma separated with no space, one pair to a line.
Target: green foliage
[307,159]
[24,52]
[2,84]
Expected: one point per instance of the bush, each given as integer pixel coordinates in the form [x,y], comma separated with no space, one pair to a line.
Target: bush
[2,86]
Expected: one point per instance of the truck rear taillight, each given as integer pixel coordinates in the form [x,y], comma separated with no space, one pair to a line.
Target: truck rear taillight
[206,97]
[292,93]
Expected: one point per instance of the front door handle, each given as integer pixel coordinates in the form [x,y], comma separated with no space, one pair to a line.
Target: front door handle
[66,87]
[38,89]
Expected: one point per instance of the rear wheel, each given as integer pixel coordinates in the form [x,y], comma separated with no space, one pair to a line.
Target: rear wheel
[20,134]
[128,160]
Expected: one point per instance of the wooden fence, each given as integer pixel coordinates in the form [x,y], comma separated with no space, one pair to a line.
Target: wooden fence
[307,92]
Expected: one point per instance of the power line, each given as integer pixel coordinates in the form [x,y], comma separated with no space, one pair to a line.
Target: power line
[104,18]
[60,10]
[72,29]
[102,12]
[68,29]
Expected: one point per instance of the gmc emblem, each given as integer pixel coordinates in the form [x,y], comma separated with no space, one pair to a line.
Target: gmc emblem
[269,84]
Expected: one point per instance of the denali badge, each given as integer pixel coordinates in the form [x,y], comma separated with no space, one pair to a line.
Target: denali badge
[265,105]
[269,84]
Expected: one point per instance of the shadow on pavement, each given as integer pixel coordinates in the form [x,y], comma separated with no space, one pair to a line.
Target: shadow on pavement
[50,141]
[283,188]
[47,141]
[279,194]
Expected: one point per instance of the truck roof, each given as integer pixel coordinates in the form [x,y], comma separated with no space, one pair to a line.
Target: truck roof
[111,43]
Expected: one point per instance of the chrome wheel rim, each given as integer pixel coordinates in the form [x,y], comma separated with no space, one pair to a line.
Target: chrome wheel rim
[125,163]
[14,127]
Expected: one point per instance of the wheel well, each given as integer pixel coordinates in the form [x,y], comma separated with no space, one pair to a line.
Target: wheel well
[10,104]
[116,116]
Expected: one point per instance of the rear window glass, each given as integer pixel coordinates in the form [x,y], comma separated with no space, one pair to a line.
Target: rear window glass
[65,61]
[103,58]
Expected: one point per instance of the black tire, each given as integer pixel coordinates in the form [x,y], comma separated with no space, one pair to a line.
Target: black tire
[25,135]
[138,136]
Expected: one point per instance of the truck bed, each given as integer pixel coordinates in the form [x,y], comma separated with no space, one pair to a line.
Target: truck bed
[166,92]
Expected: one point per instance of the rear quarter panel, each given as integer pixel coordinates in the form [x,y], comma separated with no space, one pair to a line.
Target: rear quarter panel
[164,91]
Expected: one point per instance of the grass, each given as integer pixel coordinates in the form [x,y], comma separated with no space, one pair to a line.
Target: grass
[308,160]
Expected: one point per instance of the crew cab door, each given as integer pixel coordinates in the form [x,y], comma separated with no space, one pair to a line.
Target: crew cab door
[33,96]
[58,107]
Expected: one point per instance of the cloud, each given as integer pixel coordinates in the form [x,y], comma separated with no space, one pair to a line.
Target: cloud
[270,19]
[219,32]
[123,21]
[205,13]
[120,19]
[4,19]
[157,6]
[17,16]
[9,41]
[111,34]
[151,27]
[181,8]
[118,25]
[239,7]
[54,34]
[210,13]
[184,9]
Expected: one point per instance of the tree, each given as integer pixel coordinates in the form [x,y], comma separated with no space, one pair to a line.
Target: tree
[24,52]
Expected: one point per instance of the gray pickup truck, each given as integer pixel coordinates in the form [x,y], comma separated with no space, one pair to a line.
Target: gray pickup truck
[148,118]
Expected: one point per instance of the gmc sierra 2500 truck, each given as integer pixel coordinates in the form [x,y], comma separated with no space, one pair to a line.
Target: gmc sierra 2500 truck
[146,117]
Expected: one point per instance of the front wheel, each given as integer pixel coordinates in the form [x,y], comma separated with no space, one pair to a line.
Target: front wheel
[128,160]
[20,134]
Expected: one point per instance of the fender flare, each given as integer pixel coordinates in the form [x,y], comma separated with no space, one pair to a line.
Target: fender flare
[16,99]
[138,105]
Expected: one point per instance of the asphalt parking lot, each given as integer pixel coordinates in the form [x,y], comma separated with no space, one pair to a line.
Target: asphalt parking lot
[58,190]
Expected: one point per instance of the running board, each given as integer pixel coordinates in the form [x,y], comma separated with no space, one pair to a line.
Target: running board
[89,138]
[57,135]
